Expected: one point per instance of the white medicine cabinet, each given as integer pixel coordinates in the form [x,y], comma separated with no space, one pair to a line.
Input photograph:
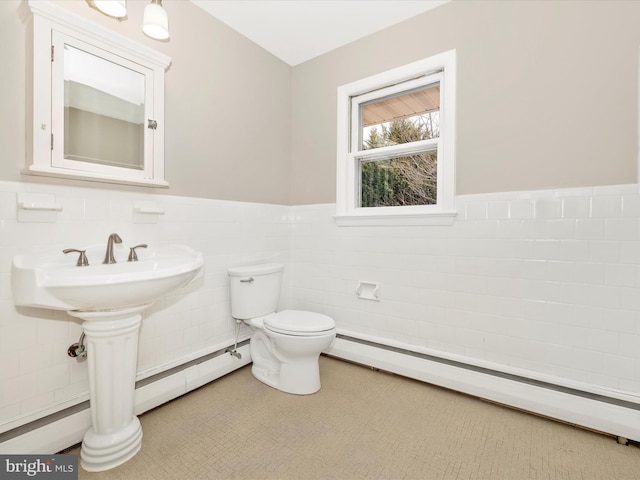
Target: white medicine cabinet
[97,109]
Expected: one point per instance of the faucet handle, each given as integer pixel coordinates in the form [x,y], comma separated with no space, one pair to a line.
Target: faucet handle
[133,256]
[82,259]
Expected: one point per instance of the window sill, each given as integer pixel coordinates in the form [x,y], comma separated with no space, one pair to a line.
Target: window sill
[439,219]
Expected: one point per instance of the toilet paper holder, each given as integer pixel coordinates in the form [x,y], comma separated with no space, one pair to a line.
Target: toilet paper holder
[368,290]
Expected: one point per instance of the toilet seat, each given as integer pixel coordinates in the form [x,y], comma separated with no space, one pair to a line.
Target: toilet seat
[299,323]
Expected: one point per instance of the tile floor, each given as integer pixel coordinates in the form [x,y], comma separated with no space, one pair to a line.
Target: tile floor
[362,424]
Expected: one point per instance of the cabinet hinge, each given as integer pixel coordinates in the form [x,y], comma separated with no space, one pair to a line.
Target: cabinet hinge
[52,47]
[52,141]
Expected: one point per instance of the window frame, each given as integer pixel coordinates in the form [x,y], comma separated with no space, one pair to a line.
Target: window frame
[440,69]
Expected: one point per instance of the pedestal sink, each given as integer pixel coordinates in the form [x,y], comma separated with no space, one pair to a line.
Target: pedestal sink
[110,299]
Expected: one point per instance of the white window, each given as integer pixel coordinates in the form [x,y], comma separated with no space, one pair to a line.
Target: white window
[396,146]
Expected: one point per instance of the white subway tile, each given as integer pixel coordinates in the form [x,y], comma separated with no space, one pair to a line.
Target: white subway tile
[8,202]
[628,385]
[622,321]
[605,252]
[522,209]
[590,229]
[475,211]
[53,378]
[547,250]
[622,189]
[575,293]
[37,402]
[498,210]
[559,355]
[560,313]
[561,271]
[620,367]
[576,207]
[534,269]
[548,207]
[590,272]
[630,252]
[606,206]
[589,317]
[629,345]
[621,275]
[589,361]
[625,229]
[631,205]
[574,250]
[629,299]
[604,296]
[9,366]
[574,192]
[561,229]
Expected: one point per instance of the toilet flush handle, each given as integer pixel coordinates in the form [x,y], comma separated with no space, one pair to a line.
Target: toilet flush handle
[246,280]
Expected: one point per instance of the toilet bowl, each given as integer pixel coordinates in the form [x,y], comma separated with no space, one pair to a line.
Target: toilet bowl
[285,345]
[288,359]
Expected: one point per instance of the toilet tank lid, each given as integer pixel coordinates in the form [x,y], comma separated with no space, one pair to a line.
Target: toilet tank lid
[247,270]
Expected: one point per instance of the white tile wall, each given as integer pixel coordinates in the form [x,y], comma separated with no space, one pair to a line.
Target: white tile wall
[546,282]
[36,375]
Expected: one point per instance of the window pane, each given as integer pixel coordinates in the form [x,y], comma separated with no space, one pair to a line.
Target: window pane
[403,118]
[401,181]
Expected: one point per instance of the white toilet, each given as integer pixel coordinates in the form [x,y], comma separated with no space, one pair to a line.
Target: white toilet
[285,345]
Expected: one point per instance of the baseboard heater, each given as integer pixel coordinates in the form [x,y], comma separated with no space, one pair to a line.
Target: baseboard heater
[43,435]
[619,417]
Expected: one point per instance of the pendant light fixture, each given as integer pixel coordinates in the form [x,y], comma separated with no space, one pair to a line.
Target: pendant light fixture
[155,22]
[113,8]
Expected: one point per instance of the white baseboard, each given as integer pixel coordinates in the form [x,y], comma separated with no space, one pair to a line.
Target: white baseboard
[50,438]
[68,431]
[597,412]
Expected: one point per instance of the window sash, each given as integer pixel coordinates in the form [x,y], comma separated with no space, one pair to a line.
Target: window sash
[359,160]
[396,150]
[426,146]
[356,127]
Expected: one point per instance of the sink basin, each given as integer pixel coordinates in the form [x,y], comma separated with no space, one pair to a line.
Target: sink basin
[52,280]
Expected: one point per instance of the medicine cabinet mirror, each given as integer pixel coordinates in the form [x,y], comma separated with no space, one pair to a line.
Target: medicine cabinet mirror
[98,102]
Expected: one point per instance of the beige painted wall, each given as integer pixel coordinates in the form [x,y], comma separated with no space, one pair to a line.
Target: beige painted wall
[547,94]
[547,97]
[227,104]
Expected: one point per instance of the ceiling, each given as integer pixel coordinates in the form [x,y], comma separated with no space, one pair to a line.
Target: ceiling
[298,30]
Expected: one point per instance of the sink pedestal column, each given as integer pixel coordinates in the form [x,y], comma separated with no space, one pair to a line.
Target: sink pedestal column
[111,339]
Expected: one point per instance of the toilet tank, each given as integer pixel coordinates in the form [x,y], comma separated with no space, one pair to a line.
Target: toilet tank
[254,290]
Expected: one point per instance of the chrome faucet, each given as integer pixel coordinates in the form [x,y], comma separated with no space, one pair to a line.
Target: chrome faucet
[108,257]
